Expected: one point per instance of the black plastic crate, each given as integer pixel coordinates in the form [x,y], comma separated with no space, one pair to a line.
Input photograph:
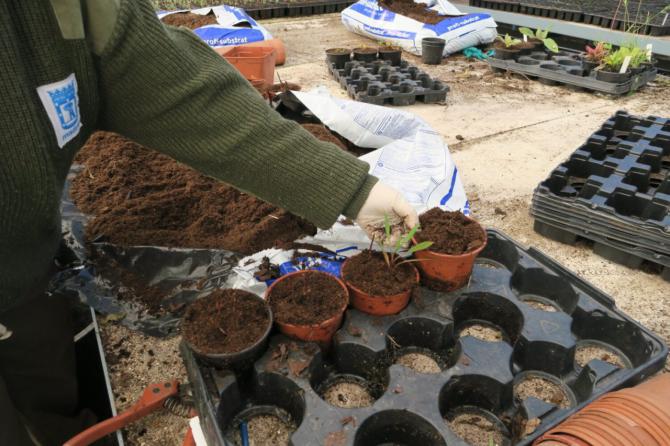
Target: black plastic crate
[381,83]
[476,376]
[297,9]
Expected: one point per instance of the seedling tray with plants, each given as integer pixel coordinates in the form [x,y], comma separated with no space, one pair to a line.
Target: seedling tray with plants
[384,82]
[615,191]
[522,346]
[569,68]
[644,17]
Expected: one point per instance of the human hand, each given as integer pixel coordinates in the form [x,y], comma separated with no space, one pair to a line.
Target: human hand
[383,203]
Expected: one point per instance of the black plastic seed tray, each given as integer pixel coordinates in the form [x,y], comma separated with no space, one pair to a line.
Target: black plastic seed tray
[275,10]
[381,83]
[579,15]
[476,376]
[566,68]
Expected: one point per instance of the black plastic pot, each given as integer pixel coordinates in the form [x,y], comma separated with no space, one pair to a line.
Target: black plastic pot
[637,70]
[612,77]
[338,56]
[432,49]
[507,53]
[649,65]
[391,53]
[588,66]
[365,54]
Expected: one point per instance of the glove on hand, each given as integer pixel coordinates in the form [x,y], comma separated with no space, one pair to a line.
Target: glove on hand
[386,202]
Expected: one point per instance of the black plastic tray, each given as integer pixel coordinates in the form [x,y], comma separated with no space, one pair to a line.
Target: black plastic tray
[476,374]
[381,83]
[569,14]
[566,68]
[297,9]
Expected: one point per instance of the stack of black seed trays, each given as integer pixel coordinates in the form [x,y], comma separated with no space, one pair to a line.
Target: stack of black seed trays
[545,316]
[615,191]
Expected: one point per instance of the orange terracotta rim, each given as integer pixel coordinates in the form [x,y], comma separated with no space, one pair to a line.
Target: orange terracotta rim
[612,424]
[640,414]
[560,439]
[323,331]
[378,305]
[625,426]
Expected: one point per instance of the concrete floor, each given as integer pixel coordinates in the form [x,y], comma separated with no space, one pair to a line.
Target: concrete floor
[505,133]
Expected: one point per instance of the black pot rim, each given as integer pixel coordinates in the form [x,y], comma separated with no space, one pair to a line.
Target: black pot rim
[331,51]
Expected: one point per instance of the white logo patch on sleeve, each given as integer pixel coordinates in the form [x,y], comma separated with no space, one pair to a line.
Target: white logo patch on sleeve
[61,102]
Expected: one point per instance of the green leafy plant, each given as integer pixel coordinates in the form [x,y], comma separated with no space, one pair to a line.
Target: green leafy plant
[613,61]
[509,41]
[542,35]
[393,257]
[598,52]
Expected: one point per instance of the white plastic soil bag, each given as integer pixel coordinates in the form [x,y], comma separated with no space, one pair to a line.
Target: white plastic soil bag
[460,31]
[235,26]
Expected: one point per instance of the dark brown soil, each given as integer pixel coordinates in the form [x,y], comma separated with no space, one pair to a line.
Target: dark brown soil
[306,299]
[267,270]
[338,51]
[369,272]
[140,197]
[226,321]
[189,20]
[365,50]
[522,46]
[321,132]
[416,11]
[451,232]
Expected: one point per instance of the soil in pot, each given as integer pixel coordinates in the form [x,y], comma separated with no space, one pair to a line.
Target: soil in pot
[483,333]
[189,20]
[348,394]
[475,429]
[586,353]
[506,52]
[419,362]
[451,232]
[369,272]
[542,389]
[365,54]
[612,77]
[338,56]
[140,197]
[306,299]
[265,430]
[416,11]
[391,53]
[226,321]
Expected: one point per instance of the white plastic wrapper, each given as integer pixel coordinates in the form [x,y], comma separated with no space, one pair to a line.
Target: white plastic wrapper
[460,31]
[235,26]
[410,156]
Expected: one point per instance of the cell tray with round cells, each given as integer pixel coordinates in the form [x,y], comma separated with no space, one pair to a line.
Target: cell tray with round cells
[522,347]
[615,191]
[381,83]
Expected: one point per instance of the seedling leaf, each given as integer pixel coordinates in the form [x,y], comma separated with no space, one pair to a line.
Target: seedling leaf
[527,32]
[551,45]
[420,247]
[387,226]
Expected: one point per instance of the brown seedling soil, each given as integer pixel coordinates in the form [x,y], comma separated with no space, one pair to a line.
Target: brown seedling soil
[483,332]
[369,272]
[226,321]
[476,429]
[348,395]
[416,11]
[522,46]
[338,51]
[586,353]
[419,362]
[451,232]
[365,50]
[542,389]
[140,197]
[265,430]
[189,20]
[307,299]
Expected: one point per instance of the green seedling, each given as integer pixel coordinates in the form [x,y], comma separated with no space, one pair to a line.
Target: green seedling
[393,257]
[542,35]
[509,41]
[613,61]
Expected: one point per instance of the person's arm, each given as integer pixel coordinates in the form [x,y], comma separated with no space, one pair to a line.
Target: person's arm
[166,89]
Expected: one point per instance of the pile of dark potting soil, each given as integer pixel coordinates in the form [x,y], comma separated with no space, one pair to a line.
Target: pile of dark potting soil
[226,321]
[140,197]
[369,272]
[416,11]
[189,20]
[323,133]
[306,299]
[451,232]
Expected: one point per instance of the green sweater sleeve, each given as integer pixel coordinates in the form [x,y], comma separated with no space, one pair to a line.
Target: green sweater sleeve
[166,89]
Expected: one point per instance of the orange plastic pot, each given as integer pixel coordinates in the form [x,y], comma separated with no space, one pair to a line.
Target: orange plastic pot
[323,331]
[278,45]
[257,62]
[560,439]
[375,304]
[450,271]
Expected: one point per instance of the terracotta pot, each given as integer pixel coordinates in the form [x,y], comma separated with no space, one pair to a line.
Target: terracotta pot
[451,271]
[278,45]
[257,62]
[637,415]
[619,423]
[321,332]
[375,304]
[560,439]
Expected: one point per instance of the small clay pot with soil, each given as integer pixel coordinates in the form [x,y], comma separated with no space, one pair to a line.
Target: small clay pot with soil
[338,56]
[457,241]
[365,54]
[228,328]
[512,52]
[308,305]
[391,53]
[374,287]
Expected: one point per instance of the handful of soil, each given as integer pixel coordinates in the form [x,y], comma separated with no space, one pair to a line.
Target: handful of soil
[189,20]
[306,299]
[451,232]
[226,321]
[369,272]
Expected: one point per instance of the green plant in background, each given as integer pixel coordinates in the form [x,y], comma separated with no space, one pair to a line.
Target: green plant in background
[598,52]
[393,258]
[636,24]
[613,61]
[542,35]
[509,41]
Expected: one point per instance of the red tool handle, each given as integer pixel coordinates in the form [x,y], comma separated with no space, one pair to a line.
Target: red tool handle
[152,398]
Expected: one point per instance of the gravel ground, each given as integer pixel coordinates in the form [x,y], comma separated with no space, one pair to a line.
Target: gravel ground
[505,133]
